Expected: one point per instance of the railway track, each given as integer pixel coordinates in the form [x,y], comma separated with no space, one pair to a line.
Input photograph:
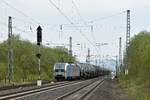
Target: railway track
[82,92]
[2,88]
[29,90]
[22,88]
[55,92]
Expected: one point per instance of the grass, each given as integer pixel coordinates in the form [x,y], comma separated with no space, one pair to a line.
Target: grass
[135,91]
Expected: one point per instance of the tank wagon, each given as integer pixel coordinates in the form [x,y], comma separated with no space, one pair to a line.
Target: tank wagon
[68,71]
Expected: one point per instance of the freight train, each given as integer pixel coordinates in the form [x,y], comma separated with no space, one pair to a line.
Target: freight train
[69,71]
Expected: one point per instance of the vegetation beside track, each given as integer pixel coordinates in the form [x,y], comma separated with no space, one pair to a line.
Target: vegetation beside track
[25,62]
[137,82]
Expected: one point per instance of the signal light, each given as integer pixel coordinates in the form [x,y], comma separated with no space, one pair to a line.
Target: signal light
[39,35]
[38,55]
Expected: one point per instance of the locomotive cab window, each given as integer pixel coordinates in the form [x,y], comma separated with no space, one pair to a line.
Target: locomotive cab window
[59,70]
[56,70]
[62,70]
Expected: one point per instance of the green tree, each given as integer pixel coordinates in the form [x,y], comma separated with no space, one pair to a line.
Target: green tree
[26,63]
[139,66]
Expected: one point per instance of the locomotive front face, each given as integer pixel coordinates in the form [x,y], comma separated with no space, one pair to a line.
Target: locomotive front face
[59,71]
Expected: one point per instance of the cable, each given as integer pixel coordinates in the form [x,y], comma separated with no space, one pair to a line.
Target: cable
[91,27]
[106,17]
[25,15]
[77,10]
[33,19]
[21,30]
[19,11]
[67,18]
[21,20]
[60,11]
[30,34]
[2,23]
[103,19]
[92,33]
[85,23]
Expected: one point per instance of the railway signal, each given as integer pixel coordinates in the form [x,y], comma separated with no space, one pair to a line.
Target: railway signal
[38,55]
[39,35]
[39,41]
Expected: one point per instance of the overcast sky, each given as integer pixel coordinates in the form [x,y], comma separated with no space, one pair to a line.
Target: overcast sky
[106,29]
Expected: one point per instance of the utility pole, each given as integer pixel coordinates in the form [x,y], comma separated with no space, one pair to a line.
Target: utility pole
[88,57]
[70,46]
[60,34]
[39,41]
[127,40]
[10,50]
[120,54]
[96,62]
[116,66]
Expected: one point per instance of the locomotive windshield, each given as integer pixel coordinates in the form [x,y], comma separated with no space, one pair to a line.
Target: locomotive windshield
[59,67]
[61,70]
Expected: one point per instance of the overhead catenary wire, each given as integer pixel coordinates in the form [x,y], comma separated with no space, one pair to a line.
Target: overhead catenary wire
[84,21]
[19,11]
[103,18]
[22,13]
[73,24]
[32,20]
[23,31]
[25,15]
[92,33]
[78,12]
[106,17]
[68,19]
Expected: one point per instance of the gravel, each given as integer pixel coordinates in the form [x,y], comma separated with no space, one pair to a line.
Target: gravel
[109,90]
[20,89]
[54,93]
[80,93]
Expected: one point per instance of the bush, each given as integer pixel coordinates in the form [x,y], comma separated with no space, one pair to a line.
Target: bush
[138,79]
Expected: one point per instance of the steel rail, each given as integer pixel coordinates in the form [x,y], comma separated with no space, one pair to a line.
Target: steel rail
[79,89]
[39,89]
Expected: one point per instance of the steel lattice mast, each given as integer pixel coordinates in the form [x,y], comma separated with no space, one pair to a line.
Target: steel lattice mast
[10,50]
[120,54]
[127,40]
